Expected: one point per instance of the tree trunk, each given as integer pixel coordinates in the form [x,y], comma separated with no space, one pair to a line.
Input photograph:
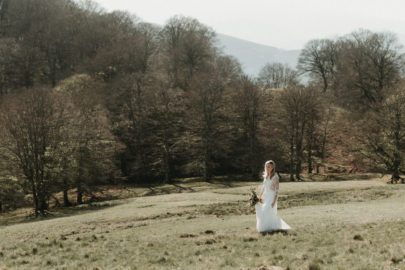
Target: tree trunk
[299,150]
[34,197]
[79,199]
[79,192]
[42,204]
[166,165]
[207,161]
[252,156]
[325,82]
[310,144]
[79,179]
[397,151]
[291,167]
[298,168]
[66,202]
[298,158]
[298,164]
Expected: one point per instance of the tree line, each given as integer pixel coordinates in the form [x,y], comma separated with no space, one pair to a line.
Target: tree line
[90,97]
[364,71]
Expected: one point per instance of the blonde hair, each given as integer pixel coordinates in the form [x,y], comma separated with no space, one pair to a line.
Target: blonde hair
[273,171]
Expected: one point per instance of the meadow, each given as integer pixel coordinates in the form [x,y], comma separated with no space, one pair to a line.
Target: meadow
[347,224]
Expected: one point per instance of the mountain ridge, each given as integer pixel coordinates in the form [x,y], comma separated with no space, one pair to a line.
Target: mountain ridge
[253,56]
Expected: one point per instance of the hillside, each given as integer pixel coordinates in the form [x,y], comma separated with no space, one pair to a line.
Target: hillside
[254,56]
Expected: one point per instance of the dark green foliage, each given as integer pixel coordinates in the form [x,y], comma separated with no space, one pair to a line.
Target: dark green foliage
[11,194]
[382,134]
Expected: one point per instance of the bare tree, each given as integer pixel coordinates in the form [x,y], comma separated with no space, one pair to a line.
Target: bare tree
[37,28]
[167,118]
[248,102]
[132,76]
[86,153]
[277,75]
[382,133]
[33,122]
[8,65]
[370,64]
[206,100]
[320,115]
[318,58]
[298,109]
[186,47]
[323,131]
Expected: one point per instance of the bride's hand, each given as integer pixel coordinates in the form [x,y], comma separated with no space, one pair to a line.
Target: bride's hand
[272,205]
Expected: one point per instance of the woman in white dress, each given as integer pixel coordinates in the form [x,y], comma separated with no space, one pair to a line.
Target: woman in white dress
[266,209]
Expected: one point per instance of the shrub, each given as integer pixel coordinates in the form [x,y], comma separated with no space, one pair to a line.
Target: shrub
[11,193]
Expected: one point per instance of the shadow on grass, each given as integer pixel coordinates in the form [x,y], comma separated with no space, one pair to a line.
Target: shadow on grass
[55,212]
[180,186]
[283,232]
[172,188]
[105,201]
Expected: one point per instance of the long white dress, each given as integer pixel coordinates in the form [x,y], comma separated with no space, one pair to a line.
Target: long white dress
[266,216]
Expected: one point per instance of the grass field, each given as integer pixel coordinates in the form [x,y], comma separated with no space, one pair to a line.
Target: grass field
[336,225]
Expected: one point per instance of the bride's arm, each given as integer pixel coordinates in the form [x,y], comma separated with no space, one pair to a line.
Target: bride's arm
[276,186]
[261,192]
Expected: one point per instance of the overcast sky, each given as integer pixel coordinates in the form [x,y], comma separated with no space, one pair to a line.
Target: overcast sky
[287,24]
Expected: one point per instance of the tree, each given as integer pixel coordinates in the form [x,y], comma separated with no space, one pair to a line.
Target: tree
[88,148]
[248,100]
[55,45]
[129,67]
[130,113]
[320,114]
[3,9]
[131,54]
[33,122]
[206,99]
[323,130]
[277,75]
[8,65]
[208,116]
[23,67]
[369,65]
[300,113]
[186,49]
[382,133]
[318,58]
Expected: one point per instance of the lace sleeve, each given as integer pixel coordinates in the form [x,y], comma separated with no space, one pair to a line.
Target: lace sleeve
[262,187]
[275,184]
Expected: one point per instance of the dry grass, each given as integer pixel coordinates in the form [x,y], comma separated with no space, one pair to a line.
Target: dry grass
[336,225]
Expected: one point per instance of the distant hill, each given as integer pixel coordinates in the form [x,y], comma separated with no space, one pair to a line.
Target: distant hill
[254,56]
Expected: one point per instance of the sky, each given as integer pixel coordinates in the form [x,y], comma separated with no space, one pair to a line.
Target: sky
[286,24]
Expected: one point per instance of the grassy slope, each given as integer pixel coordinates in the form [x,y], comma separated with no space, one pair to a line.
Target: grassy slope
[213,228]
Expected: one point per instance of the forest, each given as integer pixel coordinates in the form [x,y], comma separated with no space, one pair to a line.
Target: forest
[89,97]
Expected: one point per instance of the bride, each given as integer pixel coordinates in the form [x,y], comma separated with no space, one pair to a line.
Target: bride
[266,211]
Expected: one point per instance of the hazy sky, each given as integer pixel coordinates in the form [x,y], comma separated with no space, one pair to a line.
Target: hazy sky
[287,24]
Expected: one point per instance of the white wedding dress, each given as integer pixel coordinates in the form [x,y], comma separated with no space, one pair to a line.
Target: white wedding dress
[266,216]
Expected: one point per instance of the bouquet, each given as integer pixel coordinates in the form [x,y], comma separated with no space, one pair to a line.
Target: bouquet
[253,200]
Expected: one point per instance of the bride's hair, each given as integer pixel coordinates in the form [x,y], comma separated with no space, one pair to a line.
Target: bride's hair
[273,171]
